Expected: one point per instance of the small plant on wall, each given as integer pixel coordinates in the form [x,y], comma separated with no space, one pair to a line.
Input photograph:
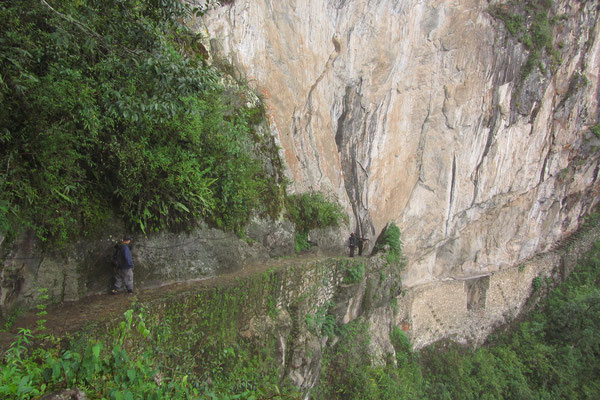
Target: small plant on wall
[596,130]
[354,272]
[531,23]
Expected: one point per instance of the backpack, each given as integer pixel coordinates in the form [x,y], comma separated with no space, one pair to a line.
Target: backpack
[116,257]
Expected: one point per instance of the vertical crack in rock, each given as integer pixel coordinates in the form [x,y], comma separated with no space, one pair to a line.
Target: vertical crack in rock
[366,226]
[354,137]
[422,142]
[302,122]
[545,164]
[493,129]
[338,4]
[341,137]
[452,194]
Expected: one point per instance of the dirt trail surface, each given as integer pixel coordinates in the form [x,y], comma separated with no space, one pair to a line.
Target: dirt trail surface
[70,317]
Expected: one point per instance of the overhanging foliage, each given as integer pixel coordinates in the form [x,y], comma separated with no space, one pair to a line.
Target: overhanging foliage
[107,108]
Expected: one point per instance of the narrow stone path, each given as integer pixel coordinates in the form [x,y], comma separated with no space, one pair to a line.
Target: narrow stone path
[70,317]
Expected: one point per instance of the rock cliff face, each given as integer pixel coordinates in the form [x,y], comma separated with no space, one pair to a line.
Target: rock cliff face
[85,268]
[421,112]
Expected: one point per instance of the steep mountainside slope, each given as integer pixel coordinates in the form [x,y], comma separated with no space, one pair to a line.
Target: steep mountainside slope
[475,139]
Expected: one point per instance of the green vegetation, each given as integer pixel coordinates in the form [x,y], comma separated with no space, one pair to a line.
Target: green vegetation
[310,211]
[530,23]
[221,343]
[344,371]
[348,372]
[182,348]
[110,371]
[596,130]
[301,242]
[391,238]
[108,109]
[553,354]
[353,271]
[10,319]
[321,323]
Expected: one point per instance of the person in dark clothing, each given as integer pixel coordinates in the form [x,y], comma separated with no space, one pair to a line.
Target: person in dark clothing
[361,242]
[352,244]
[124,264]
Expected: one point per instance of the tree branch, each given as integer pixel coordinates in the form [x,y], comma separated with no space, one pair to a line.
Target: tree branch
[84,28]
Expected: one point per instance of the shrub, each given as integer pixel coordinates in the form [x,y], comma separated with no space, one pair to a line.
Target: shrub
[390,237]
[312,210]
[401,344]
[321,323]
[596,130]
[529,23]
[301,242]
[348,369]
[513,23]
[354,272]
[108,372]
[349,373]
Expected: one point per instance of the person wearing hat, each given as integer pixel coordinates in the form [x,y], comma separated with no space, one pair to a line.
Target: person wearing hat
[124,264]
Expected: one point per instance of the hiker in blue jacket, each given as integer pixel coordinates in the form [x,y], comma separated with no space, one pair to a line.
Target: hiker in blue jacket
[124,264]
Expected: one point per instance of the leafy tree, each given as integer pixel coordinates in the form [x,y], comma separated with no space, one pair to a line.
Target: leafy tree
[108,108]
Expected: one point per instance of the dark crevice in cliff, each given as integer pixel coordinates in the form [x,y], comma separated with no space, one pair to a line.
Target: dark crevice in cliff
[488,144]
[338,4]
[545,164]
[354,137]
[340,137]
[422,143]
[452,194]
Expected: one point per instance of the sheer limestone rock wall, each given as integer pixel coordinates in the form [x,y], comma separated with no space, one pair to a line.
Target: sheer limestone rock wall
[416,111]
